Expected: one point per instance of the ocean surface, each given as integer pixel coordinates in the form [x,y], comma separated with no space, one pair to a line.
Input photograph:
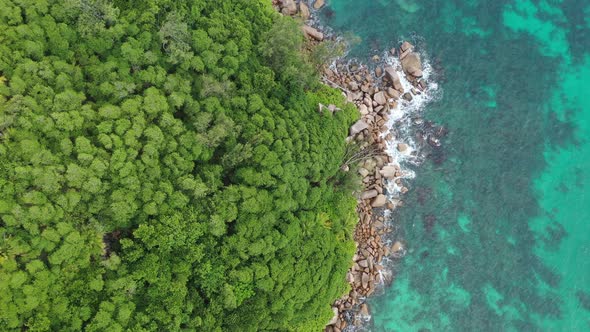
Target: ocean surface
[497,220]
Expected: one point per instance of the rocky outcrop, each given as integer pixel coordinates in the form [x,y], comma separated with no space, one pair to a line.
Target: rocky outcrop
[358,127]
[379,201]
[412,65]
[374,95]
[304,11]
[313,33]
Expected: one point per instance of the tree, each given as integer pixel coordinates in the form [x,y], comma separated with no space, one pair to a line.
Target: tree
[163,167]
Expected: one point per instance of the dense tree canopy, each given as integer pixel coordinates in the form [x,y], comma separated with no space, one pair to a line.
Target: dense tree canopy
[163,167]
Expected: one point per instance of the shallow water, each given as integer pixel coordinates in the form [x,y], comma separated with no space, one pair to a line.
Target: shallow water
[498,228]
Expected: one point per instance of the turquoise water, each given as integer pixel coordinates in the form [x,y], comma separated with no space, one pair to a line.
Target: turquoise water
[498,224]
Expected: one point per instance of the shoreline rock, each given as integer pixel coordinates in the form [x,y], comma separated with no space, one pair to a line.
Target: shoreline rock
[374,101]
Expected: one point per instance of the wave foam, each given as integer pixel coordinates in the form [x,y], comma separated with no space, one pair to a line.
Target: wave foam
[400,123]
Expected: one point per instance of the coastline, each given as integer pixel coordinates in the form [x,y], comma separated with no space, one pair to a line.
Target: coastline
[384,92]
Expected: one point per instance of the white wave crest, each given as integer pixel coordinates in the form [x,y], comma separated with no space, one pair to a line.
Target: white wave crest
[400,123]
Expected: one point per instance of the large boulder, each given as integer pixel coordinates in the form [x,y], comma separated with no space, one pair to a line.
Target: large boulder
[304,11]
[380,98]
[335,317]
[318,4]
[288,7]
[363,109]
[369,194]
[393,93]
[392,76]
[388,171]
[397,246]
[313,33]
[412,65]
[365,280]
[357,127]
[379,201]
[406,46]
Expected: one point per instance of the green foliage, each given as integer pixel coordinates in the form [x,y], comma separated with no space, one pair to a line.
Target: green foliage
[163,167]
[282,47]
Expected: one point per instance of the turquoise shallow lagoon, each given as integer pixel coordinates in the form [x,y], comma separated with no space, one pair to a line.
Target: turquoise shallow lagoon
[498,225]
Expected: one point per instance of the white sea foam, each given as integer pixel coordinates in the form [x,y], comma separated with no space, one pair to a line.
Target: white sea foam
[400,123]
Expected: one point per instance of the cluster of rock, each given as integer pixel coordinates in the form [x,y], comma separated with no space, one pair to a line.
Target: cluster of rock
[375,95]
[301,9]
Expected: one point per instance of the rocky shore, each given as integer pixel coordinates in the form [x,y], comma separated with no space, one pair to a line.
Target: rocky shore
[376,93]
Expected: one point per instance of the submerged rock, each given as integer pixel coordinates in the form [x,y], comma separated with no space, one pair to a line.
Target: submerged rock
[380,98]
[388,172]
[433,141]
[363,263]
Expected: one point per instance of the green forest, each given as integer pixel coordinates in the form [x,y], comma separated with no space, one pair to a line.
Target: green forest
[164,167]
